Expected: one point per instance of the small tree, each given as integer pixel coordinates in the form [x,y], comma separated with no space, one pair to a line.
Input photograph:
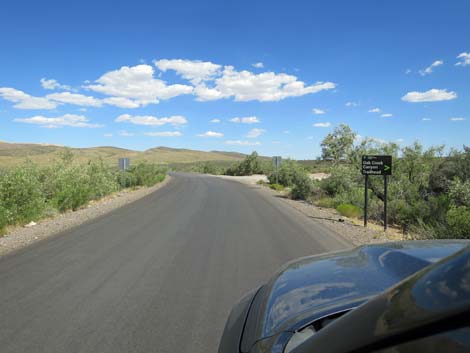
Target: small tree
[338,144]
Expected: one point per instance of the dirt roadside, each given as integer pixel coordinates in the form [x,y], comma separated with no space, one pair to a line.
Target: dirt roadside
[21,236]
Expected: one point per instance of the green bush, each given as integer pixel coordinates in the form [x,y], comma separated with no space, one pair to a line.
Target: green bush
[458,219]
[21,195]
[277,187]
[302,188]
[252,164]
[348,210]
[4,218]
[326,202]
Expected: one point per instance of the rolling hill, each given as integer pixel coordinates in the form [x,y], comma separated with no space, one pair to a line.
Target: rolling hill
[12,154]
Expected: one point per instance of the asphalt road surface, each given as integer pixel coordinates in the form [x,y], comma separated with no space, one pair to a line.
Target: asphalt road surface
[158,275]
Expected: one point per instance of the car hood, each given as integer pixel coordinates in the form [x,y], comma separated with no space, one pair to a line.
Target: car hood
[315,286]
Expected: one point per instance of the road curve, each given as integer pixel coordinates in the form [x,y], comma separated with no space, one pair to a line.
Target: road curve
[158,275]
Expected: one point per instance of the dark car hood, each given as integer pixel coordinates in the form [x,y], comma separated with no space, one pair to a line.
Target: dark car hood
[315,286]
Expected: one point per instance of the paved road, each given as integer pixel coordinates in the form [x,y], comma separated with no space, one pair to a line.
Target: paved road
[158,275]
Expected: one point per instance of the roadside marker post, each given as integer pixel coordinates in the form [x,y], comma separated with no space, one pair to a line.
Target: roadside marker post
[277,164]
[124,163]
[376,165]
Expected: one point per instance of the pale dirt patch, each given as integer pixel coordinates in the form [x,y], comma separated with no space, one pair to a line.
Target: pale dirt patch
[319,176]
[250,179]
[21,236]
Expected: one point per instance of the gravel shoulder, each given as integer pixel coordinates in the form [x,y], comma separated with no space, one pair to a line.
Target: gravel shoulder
[21,236]
[350,229]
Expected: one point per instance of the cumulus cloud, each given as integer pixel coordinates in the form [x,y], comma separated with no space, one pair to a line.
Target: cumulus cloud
[374,110]
[264,87]
[431,67]
[253,133]
[245,120]
[211,134]
[242,143]
[24,100]
[457,119]
[195,71]
[121,102]
[64,120]
[433,95]
[387,115]
[258,65]
[52,84]
[464,59]
[426,119]
[151,120]
[75,98]
[352,104]
[137,84]
[322,124]
[164,133]
[215,121]
[317,111]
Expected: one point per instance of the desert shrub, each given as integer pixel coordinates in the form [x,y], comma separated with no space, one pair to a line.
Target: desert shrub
[102,181]
[126,179]
[20,192]
[277,187]
[148,174]
[459,192]
[326,202]
[458,219]
[289,173]
[302,188]
[4,218]
[252,164]
[342,179]
[348,210]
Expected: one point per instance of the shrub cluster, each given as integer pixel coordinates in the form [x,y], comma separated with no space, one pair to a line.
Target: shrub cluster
[293,175]
[28,192]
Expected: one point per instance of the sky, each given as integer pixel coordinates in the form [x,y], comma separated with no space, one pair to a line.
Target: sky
[270,76]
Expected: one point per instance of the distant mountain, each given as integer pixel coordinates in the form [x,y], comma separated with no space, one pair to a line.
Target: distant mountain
[12,154]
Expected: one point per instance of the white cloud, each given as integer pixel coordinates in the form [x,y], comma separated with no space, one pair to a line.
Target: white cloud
[464,59]
[258,65]
[426,119]
[387,115]
[286,132]
[24,100]
[245,120]
[264,87]
[211,134]
[352,104]
[53,84]
[322,124]
[108,135]
[253,133]
[138,84]
[164,133]
[317,111]
[242,143]
[194,71]
[64,120]
[433,95]
[125,133]
[121,102]
[75,98]
[408,71]
[457,119]
[374,110]
[215,121]
[430,68]
[151,120]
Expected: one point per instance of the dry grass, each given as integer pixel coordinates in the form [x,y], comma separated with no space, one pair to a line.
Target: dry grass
[13,154]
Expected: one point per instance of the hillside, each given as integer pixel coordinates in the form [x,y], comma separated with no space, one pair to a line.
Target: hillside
[12,154]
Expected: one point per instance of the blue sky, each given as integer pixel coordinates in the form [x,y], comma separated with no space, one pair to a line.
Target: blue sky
[276,75]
